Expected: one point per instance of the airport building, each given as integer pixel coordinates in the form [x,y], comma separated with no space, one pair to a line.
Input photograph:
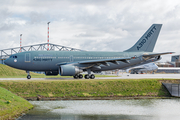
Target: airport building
[176,60]
[168,70]
[169,67]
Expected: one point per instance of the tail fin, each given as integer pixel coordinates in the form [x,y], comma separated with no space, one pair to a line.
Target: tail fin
[147,41]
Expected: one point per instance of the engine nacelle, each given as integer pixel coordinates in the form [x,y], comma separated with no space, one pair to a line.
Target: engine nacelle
[48,73]
[158,57]
[68,70]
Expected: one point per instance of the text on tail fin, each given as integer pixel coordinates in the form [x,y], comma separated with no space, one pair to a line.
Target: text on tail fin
[148,40]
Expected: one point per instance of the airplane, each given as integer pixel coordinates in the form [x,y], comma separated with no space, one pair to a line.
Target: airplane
[143,68]
[73,63]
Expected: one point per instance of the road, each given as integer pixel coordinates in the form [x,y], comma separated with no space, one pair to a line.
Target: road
[121,76]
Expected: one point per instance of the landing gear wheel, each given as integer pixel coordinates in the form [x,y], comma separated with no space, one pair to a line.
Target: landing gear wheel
[92,76]
[80,76]
[75,76]
[86,76]
[28,77]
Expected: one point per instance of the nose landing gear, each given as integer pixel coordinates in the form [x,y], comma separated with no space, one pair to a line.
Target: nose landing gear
[28,75]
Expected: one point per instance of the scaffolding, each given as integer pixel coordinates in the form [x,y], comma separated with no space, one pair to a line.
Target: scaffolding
[5,53]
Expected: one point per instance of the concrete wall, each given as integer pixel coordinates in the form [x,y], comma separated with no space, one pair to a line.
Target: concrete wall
[1,61]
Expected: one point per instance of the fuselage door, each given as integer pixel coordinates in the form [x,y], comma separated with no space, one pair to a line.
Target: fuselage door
[27,57]
[71,58]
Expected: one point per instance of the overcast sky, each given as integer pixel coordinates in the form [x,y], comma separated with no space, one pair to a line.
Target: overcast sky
[98,25]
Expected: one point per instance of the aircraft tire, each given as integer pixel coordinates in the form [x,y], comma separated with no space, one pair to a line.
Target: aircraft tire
[92,76]
[80,76]
[86,76]
[76,76]
[28,77]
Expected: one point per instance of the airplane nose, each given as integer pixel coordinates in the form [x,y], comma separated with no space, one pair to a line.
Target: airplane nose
[8,62]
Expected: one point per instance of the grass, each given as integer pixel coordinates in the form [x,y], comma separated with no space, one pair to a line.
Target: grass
[86,88]
[9,72]
[12,105]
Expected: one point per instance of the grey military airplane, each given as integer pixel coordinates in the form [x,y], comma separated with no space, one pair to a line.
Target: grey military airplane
[73,63]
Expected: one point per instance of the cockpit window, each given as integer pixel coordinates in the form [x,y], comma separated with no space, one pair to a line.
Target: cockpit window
[13,56]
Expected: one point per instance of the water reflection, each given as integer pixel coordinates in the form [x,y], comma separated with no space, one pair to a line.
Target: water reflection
[144,109]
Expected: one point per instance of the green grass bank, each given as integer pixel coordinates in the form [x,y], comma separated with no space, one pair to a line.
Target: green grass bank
[11,105]
[9,72]
[86,88]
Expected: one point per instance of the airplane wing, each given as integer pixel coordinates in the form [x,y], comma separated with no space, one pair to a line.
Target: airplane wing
[157,54]
[136,69]
[90,63]
[147,56]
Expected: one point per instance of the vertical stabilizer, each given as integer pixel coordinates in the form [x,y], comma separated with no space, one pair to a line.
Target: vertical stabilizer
[147,41]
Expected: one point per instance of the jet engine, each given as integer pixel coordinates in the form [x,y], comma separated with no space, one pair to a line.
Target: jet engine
[68,70]
[158,57]
[49,73]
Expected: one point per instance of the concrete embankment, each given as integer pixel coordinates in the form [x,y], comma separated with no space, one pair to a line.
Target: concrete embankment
[11,105]
[86,89]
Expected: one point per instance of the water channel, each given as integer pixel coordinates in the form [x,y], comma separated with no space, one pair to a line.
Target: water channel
[139,109]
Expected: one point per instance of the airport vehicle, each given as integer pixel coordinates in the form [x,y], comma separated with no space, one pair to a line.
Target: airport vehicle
[143,68]
[73,63]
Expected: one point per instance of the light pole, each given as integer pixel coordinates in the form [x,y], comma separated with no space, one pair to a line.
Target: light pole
[20,41]
[48,36]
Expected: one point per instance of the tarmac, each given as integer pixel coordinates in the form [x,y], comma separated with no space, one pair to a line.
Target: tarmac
[119,76]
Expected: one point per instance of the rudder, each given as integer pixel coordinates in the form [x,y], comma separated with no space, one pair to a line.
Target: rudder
[147,41]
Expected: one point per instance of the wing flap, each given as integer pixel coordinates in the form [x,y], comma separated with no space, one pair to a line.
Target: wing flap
[104,61]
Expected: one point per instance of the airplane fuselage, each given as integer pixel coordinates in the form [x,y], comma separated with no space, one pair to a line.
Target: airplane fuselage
[48,60]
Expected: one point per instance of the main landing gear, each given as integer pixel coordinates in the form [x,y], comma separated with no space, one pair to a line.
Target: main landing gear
[28,75]
[78,76]
[87,76]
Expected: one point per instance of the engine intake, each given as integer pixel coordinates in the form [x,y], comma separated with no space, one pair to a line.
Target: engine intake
[68,70]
